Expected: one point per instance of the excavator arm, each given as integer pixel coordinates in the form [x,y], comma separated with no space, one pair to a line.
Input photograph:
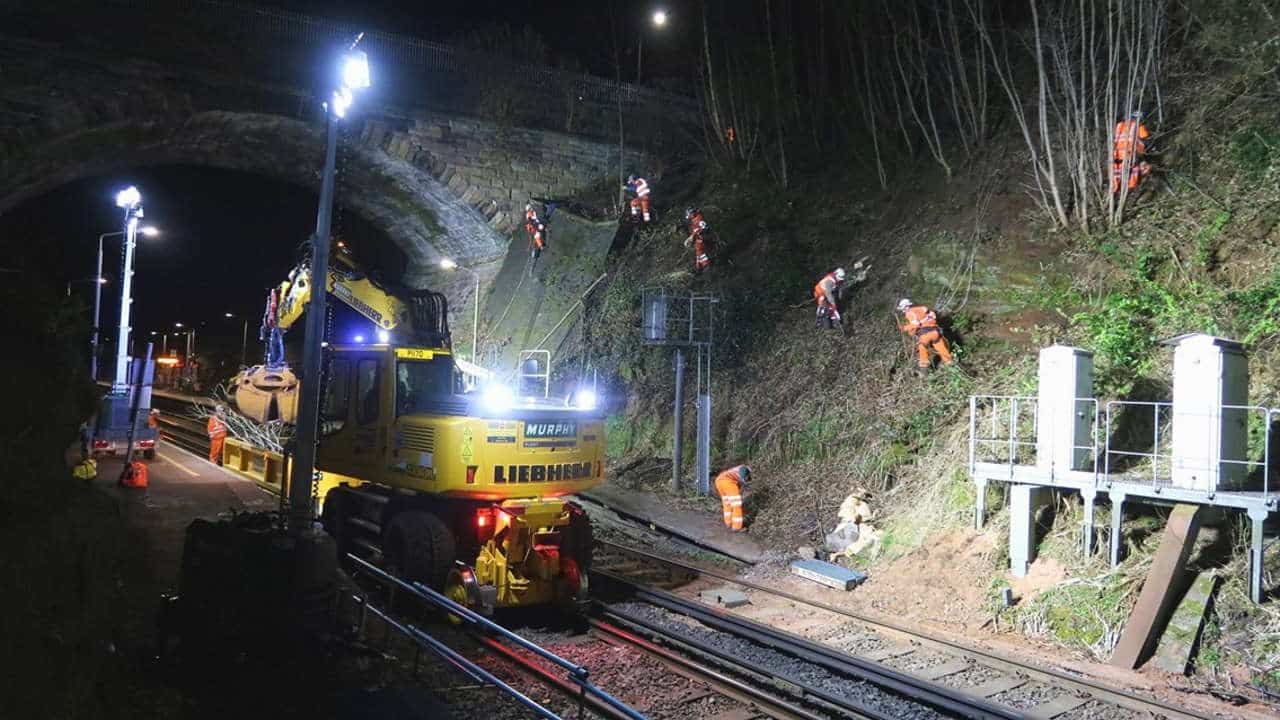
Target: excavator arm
[420,316]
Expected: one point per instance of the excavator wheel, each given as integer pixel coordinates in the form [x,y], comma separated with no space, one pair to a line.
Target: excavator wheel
[419,547]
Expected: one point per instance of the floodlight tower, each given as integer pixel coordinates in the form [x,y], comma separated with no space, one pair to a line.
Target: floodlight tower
[129,200]
[353,76]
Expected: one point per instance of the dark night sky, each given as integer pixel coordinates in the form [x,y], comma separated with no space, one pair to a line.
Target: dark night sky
[228,236]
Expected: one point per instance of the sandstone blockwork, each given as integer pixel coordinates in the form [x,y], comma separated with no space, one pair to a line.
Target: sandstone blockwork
[495,169]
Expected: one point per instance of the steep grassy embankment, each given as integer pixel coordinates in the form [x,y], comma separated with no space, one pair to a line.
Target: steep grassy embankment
[818,413]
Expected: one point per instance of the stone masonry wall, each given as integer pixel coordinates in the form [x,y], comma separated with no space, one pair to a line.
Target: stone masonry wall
[497,170]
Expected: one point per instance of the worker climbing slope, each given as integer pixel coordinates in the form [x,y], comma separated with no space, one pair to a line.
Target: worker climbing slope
[537,230]
[699,238]
[827,294]
[641,210]
[1128,154]
[922,323]
[729,485]
[217,429]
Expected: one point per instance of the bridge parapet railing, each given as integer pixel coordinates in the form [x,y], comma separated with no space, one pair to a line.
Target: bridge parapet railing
[1206,451]
[1017,434]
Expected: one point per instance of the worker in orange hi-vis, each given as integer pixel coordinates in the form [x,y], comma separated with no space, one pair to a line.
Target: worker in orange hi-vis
[1129,151]
[923,324]
[826,293]
[729,485]
[217,428]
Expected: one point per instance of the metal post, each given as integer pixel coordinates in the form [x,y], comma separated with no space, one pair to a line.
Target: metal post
[703,460]
[121,382]
[244,342]
[164,343]
[475,322]
[97,305]
[300,510]
[677,448]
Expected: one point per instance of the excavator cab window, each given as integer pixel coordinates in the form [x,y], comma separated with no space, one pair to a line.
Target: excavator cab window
[419,383]
[367,390]
[337,398]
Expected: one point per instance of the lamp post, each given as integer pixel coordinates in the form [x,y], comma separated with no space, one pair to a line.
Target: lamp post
[129,200]
[659,20]
[449,264]
[244,337]
[148,231]
[353,76]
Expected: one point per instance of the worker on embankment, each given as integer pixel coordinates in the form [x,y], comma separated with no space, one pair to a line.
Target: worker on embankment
[217,428]
[696,226]
[640,208]
[827,295]
[922,323]
[729,485]
[1129,152]
[537,230]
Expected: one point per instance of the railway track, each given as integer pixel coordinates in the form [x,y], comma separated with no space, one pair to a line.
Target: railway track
[939,667]
[179,430]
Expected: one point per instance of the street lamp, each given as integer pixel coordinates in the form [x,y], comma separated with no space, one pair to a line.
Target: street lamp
[244,337]
[659,20]
[353,75]
[149,231]
[449,264]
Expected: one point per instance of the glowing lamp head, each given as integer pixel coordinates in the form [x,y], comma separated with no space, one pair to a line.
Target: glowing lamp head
[150,231]
[448,264]
[128,198]
[497,398]
[384,337]
[659,18]
[342,100]
[227,315]
[355,70]
[585,399]
[358,339]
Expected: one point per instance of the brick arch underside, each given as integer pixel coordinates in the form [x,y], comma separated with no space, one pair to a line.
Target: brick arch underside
[417,212]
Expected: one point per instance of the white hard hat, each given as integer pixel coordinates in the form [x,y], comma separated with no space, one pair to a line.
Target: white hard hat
[904,303]
[528,207]
[840,273]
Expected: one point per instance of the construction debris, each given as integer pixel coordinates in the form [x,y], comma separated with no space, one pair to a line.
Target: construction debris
[273,435]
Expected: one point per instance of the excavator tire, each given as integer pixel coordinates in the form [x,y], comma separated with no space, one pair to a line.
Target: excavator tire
[334,519]
[419,546]
[580,541]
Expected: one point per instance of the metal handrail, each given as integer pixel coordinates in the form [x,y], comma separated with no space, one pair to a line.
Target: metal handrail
[1013,441]
[471,669]
[577,673]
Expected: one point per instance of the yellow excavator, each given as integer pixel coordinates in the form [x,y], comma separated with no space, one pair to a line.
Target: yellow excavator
[453,480]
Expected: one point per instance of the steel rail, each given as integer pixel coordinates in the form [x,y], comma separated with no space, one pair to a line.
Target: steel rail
[944,699]
[1059,678]
[770,705]
[447,653]
[577,673]
[550,678]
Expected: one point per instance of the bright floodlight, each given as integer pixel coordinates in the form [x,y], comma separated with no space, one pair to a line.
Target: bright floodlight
[102,280]
[129,197]
[342,100]
[497,398]
[585,399]
[178,325]
[358,338]
[384,336]
[659,18]
[448,264]
[227,315]
[355,70]
[150,231]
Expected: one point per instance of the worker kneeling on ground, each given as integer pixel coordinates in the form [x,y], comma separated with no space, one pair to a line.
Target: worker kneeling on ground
[923,324]
[86,469]
[217,429]
[729,485]
[827,294]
